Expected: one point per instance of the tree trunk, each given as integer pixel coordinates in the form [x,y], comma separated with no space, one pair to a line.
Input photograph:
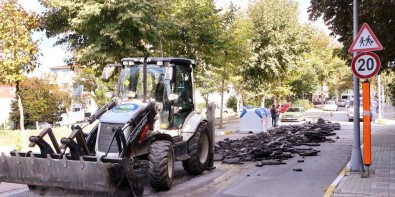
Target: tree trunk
[322,97]
[37,126]
[21,117]
[206,100]
[336,93]
[238,105]
[263,101]
[222,101]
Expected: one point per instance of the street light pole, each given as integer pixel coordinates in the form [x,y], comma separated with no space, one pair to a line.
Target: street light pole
[379,97]
[356,155]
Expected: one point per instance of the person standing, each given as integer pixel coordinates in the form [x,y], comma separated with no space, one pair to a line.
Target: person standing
[273,114]
[277,115]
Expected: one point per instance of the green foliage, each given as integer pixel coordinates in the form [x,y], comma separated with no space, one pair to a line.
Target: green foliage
[338,16]
[95,85]
[321,66]
[303,103]
[192,30]
[200,107]
[41,101]
[391,88]
[86,77]
[18,51]
[18,143]
[277,41]
[100,32]
[302,86]
[272,29]
[251,100]
[232,103]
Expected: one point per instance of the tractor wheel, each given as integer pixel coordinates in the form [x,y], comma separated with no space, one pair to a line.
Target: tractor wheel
[161,165]
[198,149]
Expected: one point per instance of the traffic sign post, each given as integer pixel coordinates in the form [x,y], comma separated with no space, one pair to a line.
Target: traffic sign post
[365,41]
[367,152]
[365,65]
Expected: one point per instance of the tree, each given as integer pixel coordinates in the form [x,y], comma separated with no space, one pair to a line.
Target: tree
[277,40]
[42,101]
[329,69]
[232,103]
[338,17]
[100,32]
[391,88]
[94,85]
[18,51]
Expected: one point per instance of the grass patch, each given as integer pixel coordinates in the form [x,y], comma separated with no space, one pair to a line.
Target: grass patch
[20,139]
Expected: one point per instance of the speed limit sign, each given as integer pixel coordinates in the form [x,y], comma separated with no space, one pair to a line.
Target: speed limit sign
[365,65]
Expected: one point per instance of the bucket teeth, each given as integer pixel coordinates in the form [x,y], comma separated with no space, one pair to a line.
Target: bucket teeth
[32,159]
[82,162]
[64,161]
[48,160]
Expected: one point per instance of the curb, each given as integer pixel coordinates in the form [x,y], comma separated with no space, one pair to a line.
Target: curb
[332,187]
[226,132]
[14,192]
[346,169]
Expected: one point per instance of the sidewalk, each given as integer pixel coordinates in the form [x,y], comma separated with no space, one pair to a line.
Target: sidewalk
[381,181]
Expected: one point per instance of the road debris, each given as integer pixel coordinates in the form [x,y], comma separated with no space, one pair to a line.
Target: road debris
[276,145]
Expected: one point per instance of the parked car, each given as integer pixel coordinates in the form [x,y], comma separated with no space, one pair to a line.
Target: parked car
[350,111]
[294,114]
[342,103]
[330,106]
[284,107]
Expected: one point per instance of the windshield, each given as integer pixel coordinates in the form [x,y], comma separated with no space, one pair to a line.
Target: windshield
[132,83]
[293,110]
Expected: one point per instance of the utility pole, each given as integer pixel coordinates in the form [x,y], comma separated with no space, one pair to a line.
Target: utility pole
[379,96]
[356,155]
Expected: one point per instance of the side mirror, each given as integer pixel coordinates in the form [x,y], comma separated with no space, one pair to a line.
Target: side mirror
[107,72]
[169,73]
[172,96]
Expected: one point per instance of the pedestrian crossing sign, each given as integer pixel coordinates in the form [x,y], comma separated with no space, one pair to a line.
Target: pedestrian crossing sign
[365,41]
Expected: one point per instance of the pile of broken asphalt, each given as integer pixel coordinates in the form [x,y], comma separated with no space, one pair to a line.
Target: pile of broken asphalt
[276,145]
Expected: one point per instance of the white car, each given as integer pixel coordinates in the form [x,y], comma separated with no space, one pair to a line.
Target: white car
[350,111]
[342,103]
[330,106]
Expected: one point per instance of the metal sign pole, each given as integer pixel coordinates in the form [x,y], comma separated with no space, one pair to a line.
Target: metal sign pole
[356,155]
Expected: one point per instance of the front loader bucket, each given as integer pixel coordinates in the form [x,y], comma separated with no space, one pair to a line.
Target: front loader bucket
[91,176]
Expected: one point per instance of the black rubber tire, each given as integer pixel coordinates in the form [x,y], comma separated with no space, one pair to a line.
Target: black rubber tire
[199,149]
[161,165]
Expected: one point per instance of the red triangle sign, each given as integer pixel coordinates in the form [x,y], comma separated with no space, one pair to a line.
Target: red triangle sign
[365,41]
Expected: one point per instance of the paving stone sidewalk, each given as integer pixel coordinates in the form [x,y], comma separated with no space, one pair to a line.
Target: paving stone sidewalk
[381,181]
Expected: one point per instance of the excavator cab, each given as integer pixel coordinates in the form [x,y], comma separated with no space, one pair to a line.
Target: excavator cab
[168,83]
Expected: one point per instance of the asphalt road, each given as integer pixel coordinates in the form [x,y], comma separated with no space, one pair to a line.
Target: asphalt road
[249,180]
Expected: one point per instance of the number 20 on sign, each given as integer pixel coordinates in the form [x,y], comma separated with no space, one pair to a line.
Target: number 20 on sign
[365,65]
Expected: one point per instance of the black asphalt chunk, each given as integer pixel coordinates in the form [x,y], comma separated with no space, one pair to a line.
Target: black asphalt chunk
[218,157]
[232,161]
[297,169]
[276,145]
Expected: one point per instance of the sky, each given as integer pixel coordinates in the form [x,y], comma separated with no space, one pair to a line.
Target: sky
[53,56]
